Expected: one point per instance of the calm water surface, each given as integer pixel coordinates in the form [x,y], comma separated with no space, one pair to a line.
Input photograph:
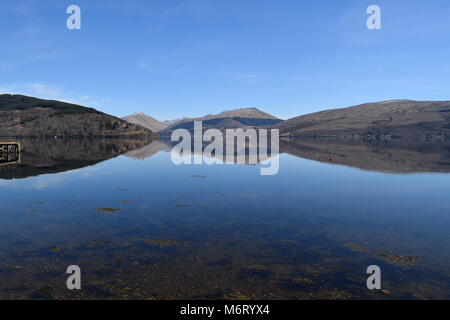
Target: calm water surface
[141,227]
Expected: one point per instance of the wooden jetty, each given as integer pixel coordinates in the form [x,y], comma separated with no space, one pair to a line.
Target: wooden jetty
[9,152]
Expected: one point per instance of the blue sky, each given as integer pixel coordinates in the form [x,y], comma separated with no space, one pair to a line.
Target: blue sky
[172,58]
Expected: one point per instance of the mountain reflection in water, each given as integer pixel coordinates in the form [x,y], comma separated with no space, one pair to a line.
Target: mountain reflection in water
[394,156]
[39,156]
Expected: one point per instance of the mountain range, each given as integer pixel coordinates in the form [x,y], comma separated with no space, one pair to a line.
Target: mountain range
[229,119]
[24,116]
[145,121]
[387,118]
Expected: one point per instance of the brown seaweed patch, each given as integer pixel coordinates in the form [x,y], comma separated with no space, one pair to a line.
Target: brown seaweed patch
[183,206]
[202,205]
[257,271]
[106,211]
[354,247]
[400,261]
[99,243]
[318,270]
[162,243]
[236,296]
[304,280]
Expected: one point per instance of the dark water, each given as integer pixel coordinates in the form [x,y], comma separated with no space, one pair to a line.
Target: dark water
[141,227]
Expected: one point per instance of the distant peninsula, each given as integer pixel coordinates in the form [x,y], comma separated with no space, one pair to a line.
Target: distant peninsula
[388,119]
[23,116]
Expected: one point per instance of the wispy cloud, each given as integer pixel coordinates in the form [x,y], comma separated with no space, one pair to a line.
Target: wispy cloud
[251,77]
[162,67]
[45,90]
[6,89]
[51,92]
[144,65]
[176,9]
[31,23]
